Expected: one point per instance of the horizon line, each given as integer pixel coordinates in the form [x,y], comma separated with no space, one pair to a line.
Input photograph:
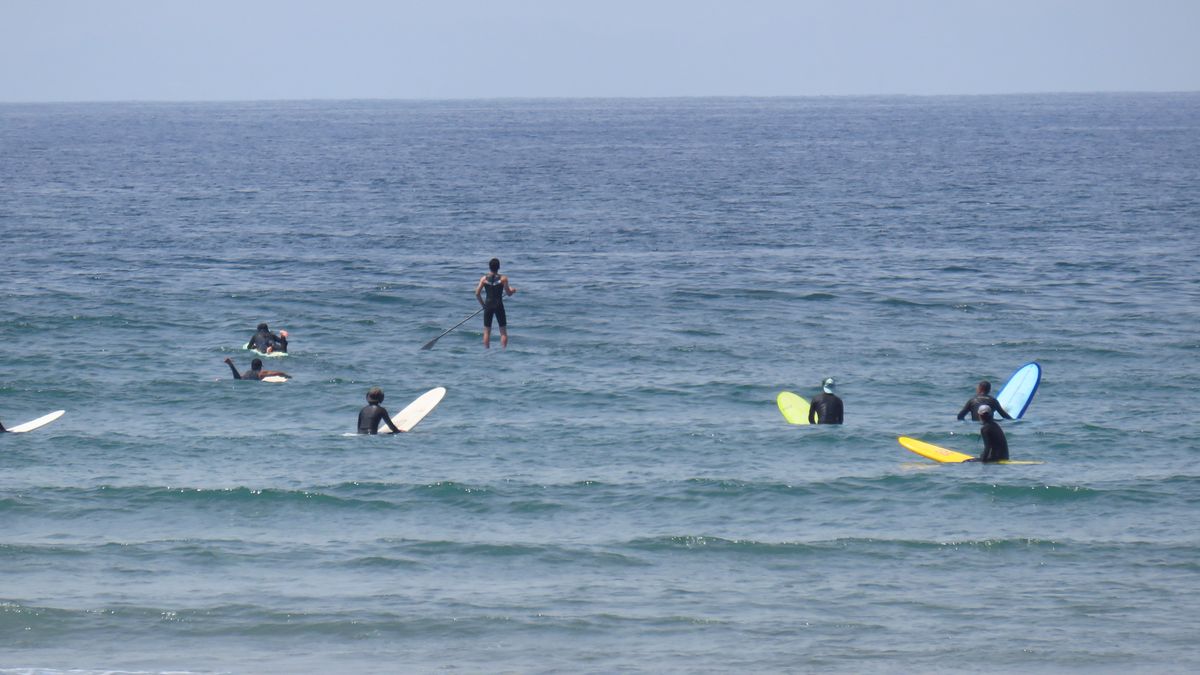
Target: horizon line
[464,99]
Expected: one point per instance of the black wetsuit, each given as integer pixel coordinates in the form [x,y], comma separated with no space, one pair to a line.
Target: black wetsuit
[264,339]
[493,302]
[827,408]
[972,407]
[251,374]
[995,445]
[370,417]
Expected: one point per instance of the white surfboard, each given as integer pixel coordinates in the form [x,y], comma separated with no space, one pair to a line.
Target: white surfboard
[416,411]
[275,378]
[38,423]
[270,355]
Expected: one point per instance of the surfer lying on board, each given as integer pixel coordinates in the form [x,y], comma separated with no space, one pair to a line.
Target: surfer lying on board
[826,406]
[982,397]
[497,287]
[995,445]
[267,342]
[255,373]
[372,413]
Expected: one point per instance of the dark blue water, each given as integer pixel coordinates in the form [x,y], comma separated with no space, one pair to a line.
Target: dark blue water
[616,491]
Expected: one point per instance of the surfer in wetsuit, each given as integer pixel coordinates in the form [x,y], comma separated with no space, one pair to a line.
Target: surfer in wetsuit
[497,287]
[267,342]
[255,373]
[826,406]
[2,429]
[982,397]
[995,444]
[372,413]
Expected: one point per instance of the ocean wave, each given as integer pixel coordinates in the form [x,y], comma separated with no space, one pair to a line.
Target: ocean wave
[91,500]
[964,483]
[879,547]
[431,551]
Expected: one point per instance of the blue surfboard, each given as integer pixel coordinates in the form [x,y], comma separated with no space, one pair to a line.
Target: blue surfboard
[1017,393]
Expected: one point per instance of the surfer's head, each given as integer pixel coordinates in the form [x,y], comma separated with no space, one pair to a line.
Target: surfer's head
[256,364]
[827,385]
[984,386]
[262,326]
[494,264]
[984,412]
[375,395]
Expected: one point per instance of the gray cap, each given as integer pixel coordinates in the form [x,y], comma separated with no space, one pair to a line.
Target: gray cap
[827,385]
[984,410]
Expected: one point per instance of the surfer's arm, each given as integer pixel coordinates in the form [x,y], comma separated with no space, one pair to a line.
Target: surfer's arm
[236,374]
[508,289]
[1003,412]
[812,411]
[965,409]
[391,425]
[479,291]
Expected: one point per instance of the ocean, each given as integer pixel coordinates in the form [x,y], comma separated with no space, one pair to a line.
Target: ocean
[616,491]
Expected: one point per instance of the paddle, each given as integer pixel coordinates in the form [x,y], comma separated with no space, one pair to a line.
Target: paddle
[429,345]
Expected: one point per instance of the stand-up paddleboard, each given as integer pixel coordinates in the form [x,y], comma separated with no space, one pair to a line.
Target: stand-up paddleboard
[1016,394]
[38,423]
[416,411]
[947,456]
[793,407]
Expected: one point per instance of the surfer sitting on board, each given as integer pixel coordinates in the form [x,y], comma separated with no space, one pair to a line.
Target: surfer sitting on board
[267,342]
[372,413]
[255,373]
[2,429]
[826,406]
[995,445]
[982,397]
[497,287]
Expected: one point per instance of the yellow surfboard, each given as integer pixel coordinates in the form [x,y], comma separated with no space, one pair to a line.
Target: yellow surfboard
[945,455]
[793,407]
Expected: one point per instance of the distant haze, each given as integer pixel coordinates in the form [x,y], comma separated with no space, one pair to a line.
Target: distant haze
[79,50]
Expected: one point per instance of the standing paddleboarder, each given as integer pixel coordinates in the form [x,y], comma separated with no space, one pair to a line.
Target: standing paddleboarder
[497,287]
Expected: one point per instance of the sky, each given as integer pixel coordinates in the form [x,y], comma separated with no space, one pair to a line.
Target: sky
[202,50]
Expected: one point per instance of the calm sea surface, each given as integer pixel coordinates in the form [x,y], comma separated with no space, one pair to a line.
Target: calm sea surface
[617,490]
